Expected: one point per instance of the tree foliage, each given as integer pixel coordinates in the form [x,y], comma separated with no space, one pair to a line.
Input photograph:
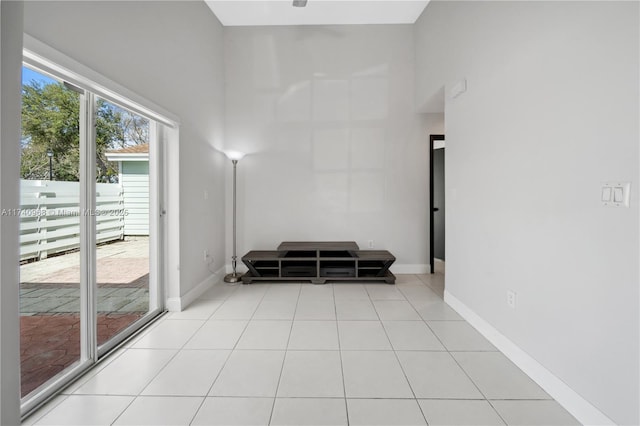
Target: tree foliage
[51,122]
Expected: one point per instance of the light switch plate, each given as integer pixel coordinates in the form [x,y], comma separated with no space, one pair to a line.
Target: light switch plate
[615,194]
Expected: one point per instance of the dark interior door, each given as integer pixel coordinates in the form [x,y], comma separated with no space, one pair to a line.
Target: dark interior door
[436,201]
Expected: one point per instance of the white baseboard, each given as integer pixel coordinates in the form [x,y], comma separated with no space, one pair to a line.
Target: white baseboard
[173,304]
[416,268]
[575,404]
[177,304]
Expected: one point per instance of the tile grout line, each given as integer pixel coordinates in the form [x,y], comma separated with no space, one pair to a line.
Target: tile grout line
[344,386]
[230,351]
[125,409]
[395,354]
[182,348]
[463,370]
[162,368]
[456,362]
[284,358]
[168,362]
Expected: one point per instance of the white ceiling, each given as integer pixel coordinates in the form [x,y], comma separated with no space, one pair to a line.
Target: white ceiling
[317,12]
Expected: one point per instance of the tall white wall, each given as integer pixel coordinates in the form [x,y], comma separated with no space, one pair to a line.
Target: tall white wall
[10,64]
[171,53]
[551,112]
[336,149]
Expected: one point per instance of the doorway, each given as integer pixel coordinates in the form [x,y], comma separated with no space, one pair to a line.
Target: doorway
[89,228]
[436,200]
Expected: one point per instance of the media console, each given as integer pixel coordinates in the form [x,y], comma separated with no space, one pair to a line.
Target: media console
[319,262]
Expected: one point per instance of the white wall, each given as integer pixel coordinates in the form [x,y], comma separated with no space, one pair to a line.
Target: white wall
[10,63]
[170,52]
[337,151]
[551,113]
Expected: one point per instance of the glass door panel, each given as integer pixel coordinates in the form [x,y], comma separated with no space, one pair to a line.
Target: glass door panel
[122,220]
[89,230]
[50,323]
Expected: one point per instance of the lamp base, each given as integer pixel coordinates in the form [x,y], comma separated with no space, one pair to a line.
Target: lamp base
[233,277]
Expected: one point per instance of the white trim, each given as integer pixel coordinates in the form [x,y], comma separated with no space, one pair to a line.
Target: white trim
[127,157]
[177,304]
[49,60]
[575,404]
[170,206]
[156,228]
[417,268]
[173,304]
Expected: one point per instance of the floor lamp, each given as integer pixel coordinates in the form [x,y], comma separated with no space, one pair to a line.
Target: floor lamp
[234,276]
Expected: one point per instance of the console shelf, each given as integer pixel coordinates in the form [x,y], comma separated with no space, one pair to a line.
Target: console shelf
[318,262]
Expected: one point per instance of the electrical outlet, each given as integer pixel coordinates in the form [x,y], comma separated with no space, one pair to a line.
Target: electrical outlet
[370,243]
[205,255]
[511,299]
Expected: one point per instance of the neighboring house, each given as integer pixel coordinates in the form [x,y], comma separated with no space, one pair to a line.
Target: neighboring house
[133,166]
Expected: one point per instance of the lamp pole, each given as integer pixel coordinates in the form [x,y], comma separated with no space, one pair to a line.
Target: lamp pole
[50,155]
[234,277]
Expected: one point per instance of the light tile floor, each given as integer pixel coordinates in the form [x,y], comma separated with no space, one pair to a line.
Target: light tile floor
[303,354]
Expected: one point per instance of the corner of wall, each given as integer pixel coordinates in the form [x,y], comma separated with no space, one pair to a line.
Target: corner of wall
[177,304]
[11,33]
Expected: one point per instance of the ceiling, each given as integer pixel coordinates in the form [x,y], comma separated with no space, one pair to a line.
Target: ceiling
[317,12]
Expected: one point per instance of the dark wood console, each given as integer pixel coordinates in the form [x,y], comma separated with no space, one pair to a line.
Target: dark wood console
[319,262]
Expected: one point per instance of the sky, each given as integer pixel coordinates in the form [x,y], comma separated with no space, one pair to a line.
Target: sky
[28,75]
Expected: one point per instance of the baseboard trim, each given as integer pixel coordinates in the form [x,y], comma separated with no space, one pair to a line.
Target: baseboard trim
[177,304]
[575,404]
[416,268]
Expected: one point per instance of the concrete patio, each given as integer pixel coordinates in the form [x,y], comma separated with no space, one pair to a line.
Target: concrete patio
[50,305]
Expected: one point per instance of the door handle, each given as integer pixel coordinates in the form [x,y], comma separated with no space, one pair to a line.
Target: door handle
[435,209]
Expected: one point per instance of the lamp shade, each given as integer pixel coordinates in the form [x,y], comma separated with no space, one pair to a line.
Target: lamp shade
[234,155]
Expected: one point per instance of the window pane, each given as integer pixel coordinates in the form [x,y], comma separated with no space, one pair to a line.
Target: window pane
[49,230]
[122,234]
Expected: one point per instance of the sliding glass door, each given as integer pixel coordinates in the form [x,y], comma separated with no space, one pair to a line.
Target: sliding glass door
[89,230]
[50,258]
[122,226]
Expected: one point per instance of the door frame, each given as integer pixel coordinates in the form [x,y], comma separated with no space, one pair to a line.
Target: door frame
[432,139]
[83,80]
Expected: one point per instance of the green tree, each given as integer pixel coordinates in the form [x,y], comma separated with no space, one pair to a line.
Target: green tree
[50,122]
[50,115]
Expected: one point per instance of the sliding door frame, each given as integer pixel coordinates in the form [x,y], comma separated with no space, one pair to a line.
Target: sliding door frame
[88,91]
[156,254]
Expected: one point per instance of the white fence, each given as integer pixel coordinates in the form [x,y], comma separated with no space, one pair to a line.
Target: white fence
[50,216]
